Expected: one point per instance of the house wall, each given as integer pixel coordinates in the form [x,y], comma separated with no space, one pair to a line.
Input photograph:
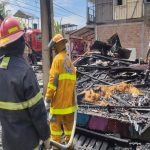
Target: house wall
[147,13]
[128,10]
[132,35]
[104,11]
[108,11]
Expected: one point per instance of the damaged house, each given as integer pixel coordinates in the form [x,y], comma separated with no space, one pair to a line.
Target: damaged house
[130,19]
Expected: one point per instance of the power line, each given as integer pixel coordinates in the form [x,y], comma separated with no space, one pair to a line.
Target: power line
[60,14]
[18,5]
[32,6]
[57,16]
[22,6]
[68,10]
[27,4]
[58,6]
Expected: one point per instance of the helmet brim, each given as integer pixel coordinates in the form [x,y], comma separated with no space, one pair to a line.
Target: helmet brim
[63,40]
[10,39]
[52,44]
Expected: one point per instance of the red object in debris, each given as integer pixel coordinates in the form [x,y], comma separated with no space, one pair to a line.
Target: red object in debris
[34,39]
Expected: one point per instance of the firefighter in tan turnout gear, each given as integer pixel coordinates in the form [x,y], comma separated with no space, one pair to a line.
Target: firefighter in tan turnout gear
[22,112]
[60,91]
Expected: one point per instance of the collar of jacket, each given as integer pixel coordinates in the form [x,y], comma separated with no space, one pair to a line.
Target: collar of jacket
[62,51]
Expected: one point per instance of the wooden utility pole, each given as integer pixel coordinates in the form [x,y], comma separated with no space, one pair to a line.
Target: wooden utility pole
[47,31]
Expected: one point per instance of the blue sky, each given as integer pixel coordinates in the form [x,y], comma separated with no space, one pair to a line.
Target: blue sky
[78,7]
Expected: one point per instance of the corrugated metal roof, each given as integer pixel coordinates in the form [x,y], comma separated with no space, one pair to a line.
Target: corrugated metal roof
[25,15]
[86,33]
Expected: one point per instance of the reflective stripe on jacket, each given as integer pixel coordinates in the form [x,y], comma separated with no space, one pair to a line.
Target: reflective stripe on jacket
[22,113]
[61,85]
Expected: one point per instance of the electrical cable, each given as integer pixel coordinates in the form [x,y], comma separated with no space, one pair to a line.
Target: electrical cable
[11,3]
[69,11]
[58,6]
[27,4]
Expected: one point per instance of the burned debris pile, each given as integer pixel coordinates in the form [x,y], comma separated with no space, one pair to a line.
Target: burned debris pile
[113,93]
[112,48]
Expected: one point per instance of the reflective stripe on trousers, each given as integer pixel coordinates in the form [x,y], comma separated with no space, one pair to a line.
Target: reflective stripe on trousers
[68,132]
[63,111]
[59,133]
[56,127]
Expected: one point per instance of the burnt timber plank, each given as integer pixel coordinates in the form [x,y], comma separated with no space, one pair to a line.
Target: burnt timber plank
[110,148]
[98,145]
[81,140]
[91,144]
[104,146]
[76,138]
[79,148]
[86,142]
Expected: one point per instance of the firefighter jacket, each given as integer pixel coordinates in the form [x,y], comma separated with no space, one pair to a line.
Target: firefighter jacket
[22,112]
[61,85]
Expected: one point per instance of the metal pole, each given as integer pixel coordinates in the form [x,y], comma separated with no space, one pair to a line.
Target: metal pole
[47,30]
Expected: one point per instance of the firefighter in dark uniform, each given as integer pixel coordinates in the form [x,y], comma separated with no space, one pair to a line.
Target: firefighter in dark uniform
[22,112]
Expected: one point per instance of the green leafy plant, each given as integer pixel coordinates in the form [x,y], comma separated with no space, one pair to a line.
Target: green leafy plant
[57,27]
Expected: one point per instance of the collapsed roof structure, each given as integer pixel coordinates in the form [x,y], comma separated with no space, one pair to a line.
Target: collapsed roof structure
[113,92]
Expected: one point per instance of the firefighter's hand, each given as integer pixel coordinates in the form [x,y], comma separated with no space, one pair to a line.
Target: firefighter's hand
[47,144]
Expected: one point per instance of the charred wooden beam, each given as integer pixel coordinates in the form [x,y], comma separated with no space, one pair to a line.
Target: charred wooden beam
[93,78]
[104,136]
[94,67]
[142,108]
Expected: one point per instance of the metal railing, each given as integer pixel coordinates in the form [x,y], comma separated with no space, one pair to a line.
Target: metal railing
[90,15]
